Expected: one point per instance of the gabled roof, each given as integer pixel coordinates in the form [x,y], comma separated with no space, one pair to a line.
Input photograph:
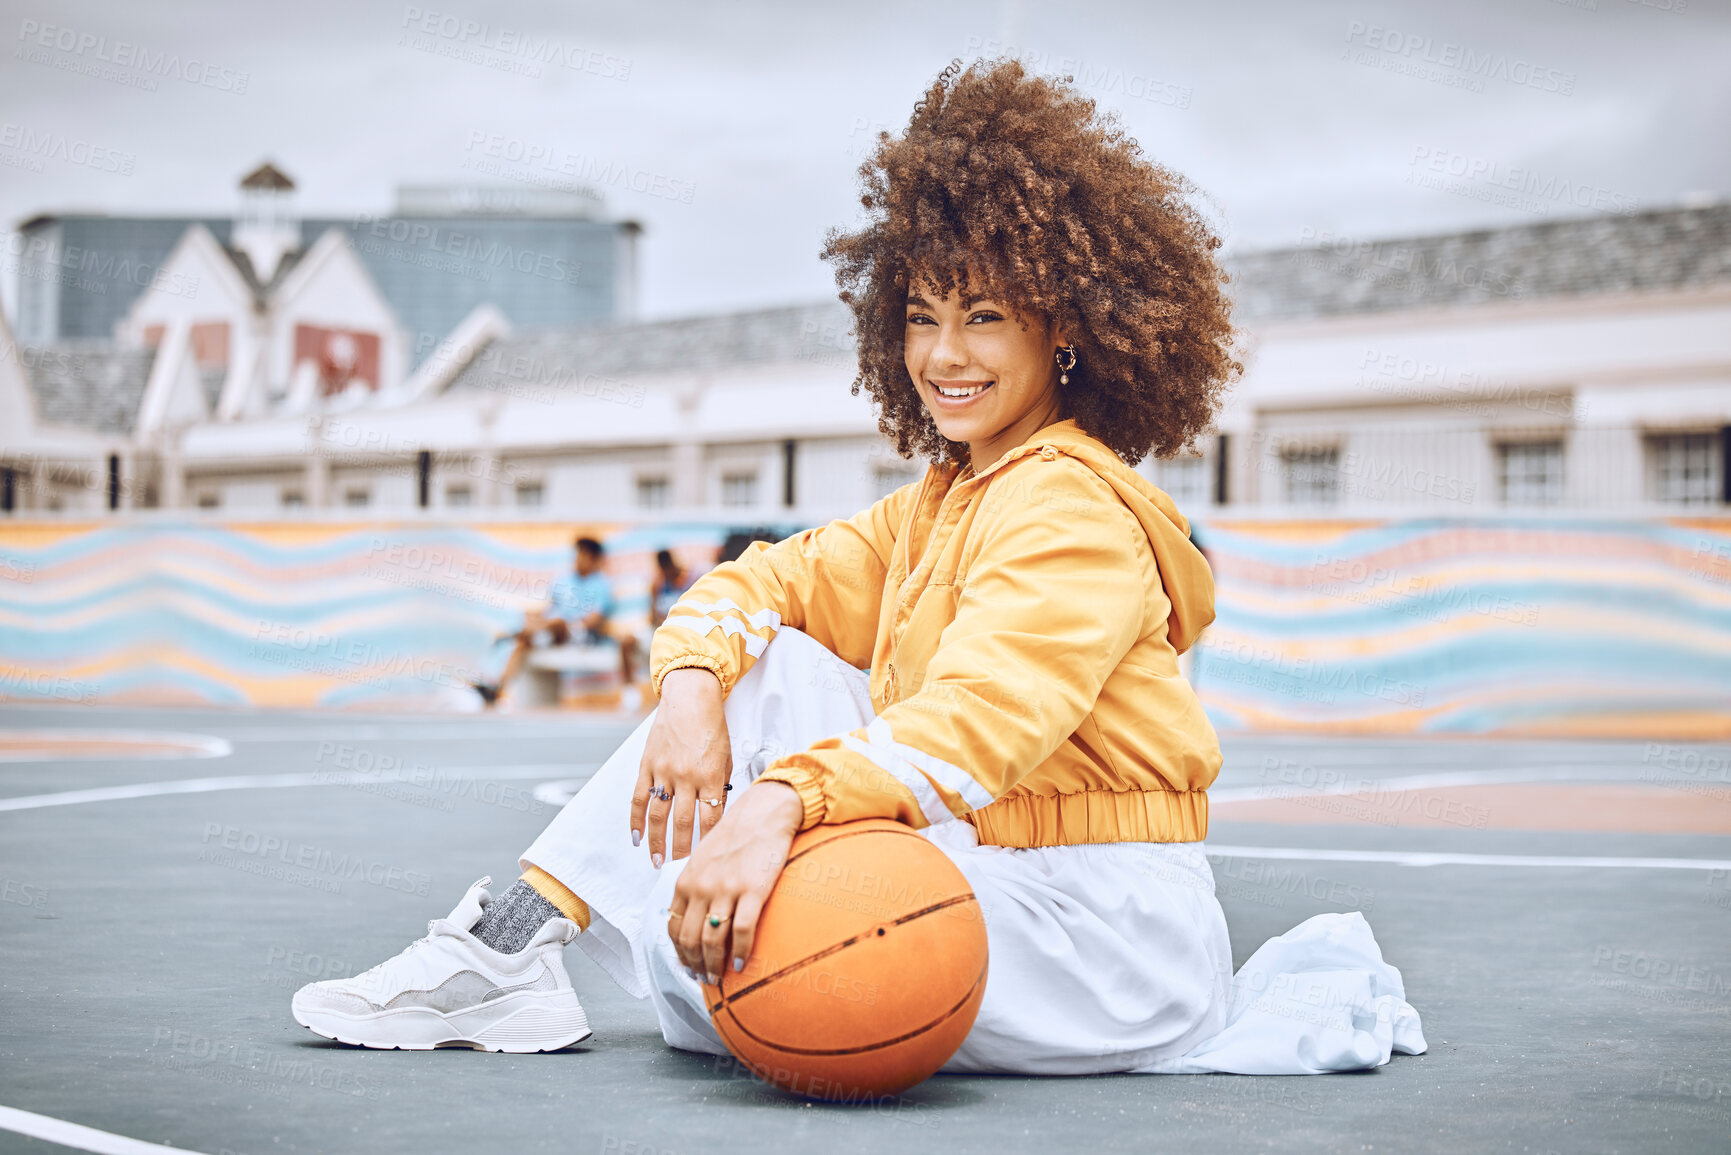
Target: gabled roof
[261,290]
[267,176]
[1672,248]
[93,385]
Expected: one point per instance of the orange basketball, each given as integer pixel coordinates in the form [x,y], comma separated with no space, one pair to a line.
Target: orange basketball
[868,969]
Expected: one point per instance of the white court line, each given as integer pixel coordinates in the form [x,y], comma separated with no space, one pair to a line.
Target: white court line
[263,782]
[1428,858]
[1394,857]
[192,745]
[1419,782]
[78,1136]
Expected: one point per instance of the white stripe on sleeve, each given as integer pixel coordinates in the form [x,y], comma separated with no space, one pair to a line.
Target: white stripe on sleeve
[924,793]
[918,770]
[754,644]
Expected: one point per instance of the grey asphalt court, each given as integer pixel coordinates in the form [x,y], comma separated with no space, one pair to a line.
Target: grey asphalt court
[147,959]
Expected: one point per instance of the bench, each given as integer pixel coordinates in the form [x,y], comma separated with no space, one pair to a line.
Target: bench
[538,684]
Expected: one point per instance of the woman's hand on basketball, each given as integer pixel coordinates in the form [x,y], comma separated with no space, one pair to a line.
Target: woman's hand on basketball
[687,758]
[713,920]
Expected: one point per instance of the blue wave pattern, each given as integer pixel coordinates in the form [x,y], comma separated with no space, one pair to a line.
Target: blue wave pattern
[1410,626]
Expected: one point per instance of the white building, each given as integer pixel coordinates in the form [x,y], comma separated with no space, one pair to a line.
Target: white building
[1573,364]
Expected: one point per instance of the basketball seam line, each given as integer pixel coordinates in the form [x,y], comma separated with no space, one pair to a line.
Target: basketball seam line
[879,1045]
[850,834]
[843,945]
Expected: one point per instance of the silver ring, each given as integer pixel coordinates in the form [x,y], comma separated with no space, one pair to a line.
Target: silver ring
[661,793]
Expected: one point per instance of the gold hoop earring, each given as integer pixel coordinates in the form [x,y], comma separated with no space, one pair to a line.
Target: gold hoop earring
[1063,368]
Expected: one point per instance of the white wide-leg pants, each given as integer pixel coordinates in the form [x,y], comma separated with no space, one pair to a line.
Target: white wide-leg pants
[1104,957]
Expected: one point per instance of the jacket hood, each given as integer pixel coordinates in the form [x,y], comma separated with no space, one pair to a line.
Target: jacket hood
[1183,570]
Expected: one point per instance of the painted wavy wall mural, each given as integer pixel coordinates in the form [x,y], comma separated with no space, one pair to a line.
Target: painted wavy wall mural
[1555,627]
[379,615]
[1492,626]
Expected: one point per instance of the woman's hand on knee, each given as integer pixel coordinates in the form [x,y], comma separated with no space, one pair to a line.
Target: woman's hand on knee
[687,759]
[716,903]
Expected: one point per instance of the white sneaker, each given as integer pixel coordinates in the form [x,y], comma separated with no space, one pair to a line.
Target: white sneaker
[452,989]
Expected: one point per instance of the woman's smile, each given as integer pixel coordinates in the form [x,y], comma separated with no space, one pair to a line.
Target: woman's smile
[954,394]
[985,373]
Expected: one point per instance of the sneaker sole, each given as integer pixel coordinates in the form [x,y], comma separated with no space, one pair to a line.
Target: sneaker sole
[517,1024]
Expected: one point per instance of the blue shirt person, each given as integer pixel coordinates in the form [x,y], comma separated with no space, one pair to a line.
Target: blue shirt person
[579,605]
[576,598]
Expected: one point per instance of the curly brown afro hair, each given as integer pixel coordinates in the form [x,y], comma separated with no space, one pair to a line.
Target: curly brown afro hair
[1009,186]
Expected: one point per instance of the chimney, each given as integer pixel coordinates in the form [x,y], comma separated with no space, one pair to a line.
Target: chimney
[267,226]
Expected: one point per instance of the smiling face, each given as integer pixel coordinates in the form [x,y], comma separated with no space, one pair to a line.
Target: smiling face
[987,375]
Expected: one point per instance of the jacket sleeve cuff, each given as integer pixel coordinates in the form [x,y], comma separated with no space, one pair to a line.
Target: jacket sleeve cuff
[682,661]
[806,784]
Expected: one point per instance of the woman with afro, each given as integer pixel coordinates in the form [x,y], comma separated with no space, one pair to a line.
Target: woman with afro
[1038,308]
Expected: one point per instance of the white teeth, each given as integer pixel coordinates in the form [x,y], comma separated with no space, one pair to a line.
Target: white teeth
[968,392]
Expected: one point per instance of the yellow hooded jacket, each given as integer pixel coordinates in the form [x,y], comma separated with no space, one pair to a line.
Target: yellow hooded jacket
[1022,626]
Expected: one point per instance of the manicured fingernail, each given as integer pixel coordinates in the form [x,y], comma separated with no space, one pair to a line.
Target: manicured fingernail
[636,837]
[738,965]
[655,859]
[713,981]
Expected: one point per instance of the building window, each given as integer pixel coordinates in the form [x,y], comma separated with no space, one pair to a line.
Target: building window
[1186,480]
[653,492]
[1530,472]
[530,494]
[739,489]
[357,498]
[293,499]
[886,479]
[1311,475]
[1683,468]
[208,500]
[457,497]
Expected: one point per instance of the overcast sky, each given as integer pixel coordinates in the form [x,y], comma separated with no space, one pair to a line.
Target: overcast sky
[743,122]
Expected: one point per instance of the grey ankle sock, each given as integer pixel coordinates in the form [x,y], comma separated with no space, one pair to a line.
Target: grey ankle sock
[511,920]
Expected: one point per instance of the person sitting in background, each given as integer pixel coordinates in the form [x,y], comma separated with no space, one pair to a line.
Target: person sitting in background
[579,605]
[671,580]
